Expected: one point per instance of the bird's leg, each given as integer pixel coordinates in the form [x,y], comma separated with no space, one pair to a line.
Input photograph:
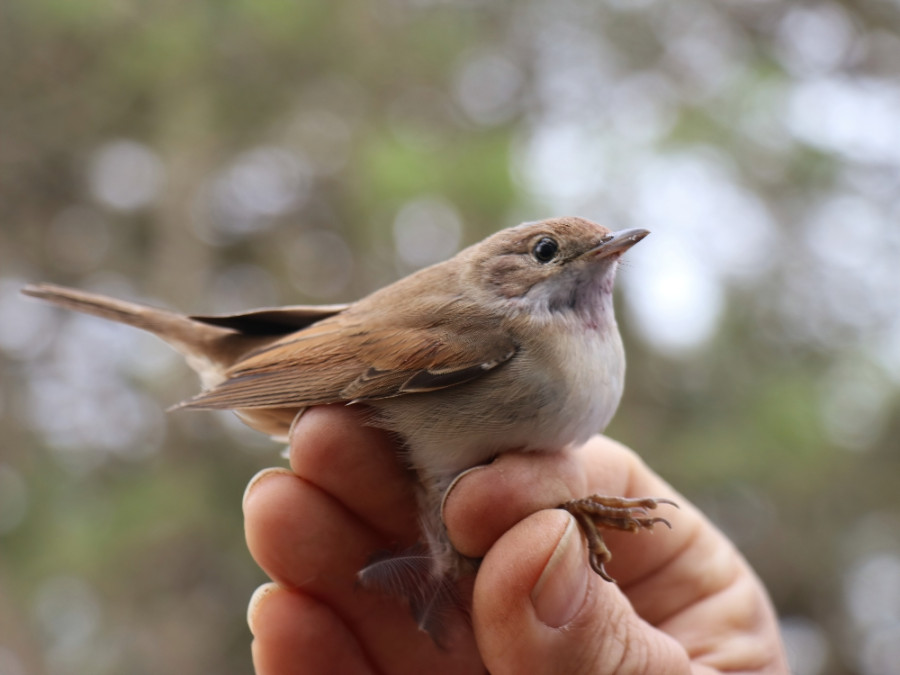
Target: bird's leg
[615,513]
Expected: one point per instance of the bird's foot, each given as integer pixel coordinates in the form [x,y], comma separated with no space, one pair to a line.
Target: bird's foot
[615,513]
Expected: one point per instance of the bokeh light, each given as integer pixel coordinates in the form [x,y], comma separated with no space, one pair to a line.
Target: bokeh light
[806,644]
[125,175]
[427,230]
[486,87]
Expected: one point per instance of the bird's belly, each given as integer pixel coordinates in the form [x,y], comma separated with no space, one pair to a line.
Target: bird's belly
[545,402]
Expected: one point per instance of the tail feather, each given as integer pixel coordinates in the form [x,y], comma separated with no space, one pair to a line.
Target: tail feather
[210,344]
[209,350]
[222,340]
[434,597]
[170,326]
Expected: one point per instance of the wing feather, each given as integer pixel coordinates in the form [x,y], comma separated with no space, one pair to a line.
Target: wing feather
[273,321]
[335,360]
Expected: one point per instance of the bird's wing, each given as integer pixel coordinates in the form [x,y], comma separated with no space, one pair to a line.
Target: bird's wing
[273,321]
[336,360]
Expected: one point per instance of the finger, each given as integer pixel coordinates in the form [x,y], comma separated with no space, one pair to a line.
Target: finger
[684,581]
[292,526]
[734,629]
[358,465]
[538,609]
[294,633]
[307,541]
[488,501]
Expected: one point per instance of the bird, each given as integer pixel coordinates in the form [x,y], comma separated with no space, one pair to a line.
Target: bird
[510,345]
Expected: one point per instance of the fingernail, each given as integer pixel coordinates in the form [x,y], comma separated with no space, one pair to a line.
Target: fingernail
[562,587]
[256,601]
[260,476]
[455,482]
[294,422]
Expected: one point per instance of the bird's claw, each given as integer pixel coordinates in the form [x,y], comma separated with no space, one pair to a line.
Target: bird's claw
[616,513]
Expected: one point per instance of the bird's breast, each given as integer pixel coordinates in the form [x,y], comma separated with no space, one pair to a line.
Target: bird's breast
[558,390]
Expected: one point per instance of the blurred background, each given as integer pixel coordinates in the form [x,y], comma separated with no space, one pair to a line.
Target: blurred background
[226,154]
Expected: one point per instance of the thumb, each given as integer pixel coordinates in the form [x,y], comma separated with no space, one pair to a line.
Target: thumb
[538,608]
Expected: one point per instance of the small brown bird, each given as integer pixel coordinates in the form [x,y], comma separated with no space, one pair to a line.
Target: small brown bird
[510,345]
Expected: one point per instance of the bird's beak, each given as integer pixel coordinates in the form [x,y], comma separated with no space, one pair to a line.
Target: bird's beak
[616,243]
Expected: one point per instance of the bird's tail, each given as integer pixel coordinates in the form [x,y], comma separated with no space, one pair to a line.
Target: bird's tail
[188,336]
[434,596]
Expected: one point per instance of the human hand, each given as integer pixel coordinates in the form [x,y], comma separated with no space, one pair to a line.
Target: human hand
[686,601]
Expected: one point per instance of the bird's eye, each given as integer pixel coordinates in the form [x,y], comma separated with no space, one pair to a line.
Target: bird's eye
[545,250]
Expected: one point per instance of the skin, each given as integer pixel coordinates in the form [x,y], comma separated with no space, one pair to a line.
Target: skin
[685,602]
